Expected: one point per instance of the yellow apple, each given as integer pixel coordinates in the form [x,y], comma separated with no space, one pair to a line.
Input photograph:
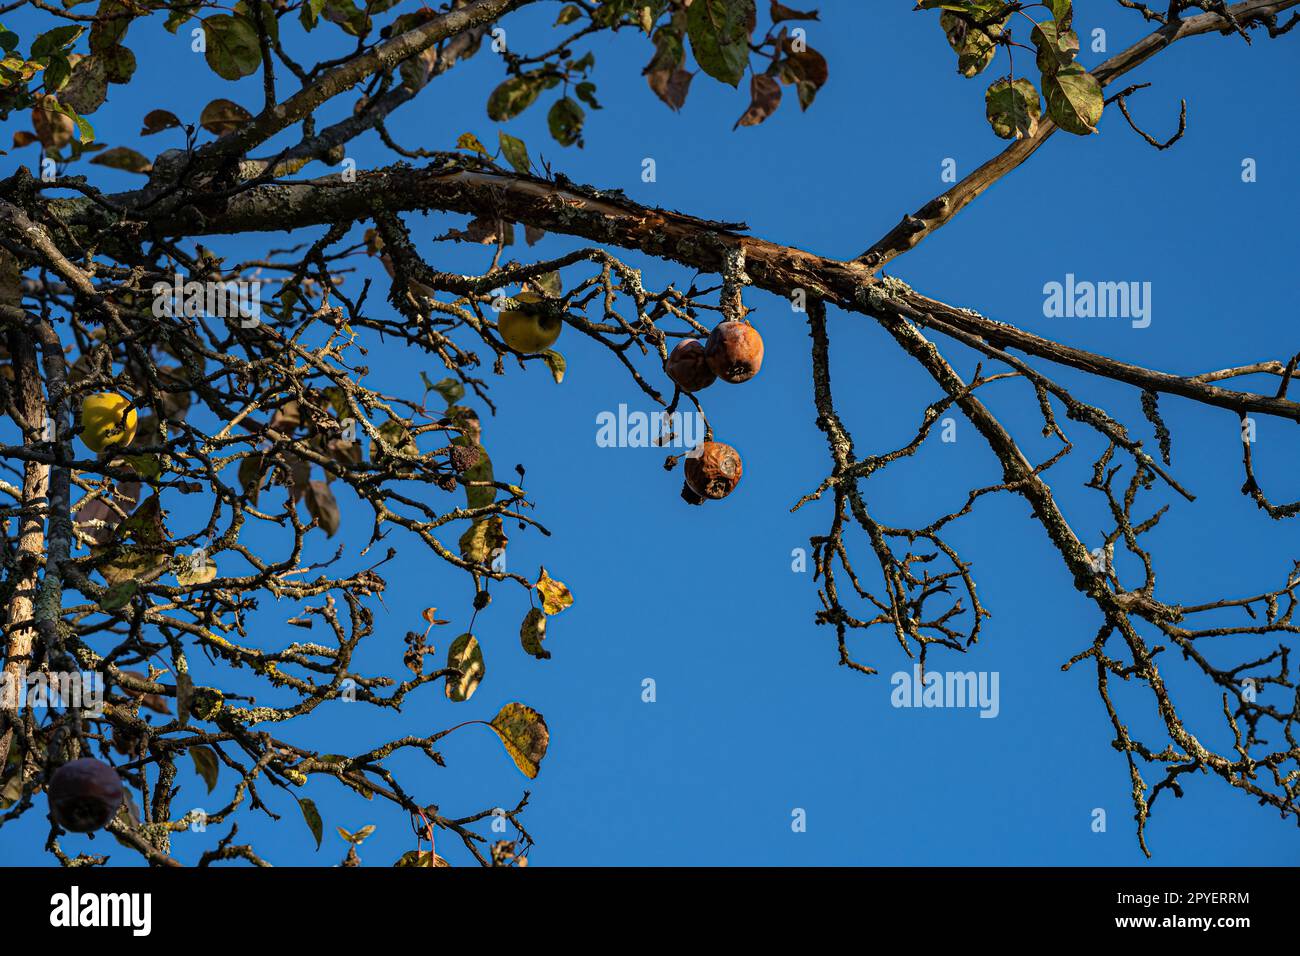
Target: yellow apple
[101,414]
[534,330]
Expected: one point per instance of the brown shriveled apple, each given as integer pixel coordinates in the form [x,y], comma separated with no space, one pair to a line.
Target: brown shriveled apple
[714,472]
[463,457]
[734,351]
[85,795]
[688,367]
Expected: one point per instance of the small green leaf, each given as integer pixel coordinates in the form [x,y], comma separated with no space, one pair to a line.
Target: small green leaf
[451,390]
[118,596]
[351,19]
[148,467]
[206,764]
[1056,47]
[310,13]
[974,46]
[112,19]
[85,131]
[532,632]
[312,816]
[513,97]
[57,73]
[233,49]
[565,122]
[84,128]
[568,14]
[119,63]
[515,152]
[53,41]
[1013,108]
[179,14]
[1074,99]
[587,93]
[719,34]
[555,362]
[1062,11]
[87,87]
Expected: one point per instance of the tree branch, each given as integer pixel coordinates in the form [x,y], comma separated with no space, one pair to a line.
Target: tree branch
[938,212]
[380,59]
[612,218]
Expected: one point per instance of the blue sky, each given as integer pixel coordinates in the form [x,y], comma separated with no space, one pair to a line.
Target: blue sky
[753,718]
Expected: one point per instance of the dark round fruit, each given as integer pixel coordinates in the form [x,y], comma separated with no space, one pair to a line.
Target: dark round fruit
[688,367]
[714,472]
[85,795]
[734,351]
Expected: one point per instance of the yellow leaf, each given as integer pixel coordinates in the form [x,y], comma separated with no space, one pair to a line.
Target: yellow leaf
[555,594]
[471,142]
[523,732]
[196,572]
[466,656]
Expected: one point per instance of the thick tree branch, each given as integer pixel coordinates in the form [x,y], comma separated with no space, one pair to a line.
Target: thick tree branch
[613,219]
[328,142]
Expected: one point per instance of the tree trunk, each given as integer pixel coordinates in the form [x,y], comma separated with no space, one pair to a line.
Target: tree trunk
[20,629]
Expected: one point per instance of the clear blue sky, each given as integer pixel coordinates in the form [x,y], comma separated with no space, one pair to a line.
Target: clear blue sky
[753,717]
